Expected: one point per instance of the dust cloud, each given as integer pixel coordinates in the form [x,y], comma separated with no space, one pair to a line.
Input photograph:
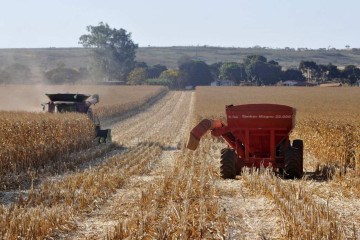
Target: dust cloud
[30,97]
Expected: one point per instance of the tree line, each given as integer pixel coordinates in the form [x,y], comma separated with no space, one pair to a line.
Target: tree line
[114,54]
[254,70]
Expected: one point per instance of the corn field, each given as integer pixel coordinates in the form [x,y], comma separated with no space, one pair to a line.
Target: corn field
[34,141]
[147,185]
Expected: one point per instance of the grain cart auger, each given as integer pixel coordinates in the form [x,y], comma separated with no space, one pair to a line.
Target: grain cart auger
[73,102]
[257,135]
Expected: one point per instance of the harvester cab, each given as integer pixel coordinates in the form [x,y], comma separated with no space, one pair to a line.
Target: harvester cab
[80,103]
[257,135]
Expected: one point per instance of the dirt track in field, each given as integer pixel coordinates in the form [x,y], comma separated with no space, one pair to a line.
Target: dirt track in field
[250,216]
[167,123]
[250,213]
[164,123]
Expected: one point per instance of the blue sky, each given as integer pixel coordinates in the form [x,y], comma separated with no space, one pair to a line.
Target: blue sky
[227,23]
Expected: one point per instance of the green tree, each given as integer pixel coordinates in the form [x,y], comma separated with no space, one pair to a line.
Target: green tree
[233,71]
[172,74]
[351,73]
[195,73]
[215,69]
[137,76]
[254,58]
[273,62]
[156,70]
[292,74]
[140,65]
[113,50]
[261,72]
[310,70]
[333,71]
[323,72]
[174,78]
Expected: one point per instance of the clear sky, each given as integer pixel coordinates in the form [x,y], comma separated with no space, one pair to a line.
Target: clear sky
[227,23]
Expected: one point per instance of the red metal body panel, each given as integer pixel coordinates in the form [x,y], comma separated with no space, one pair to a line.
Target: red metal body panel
[255,131]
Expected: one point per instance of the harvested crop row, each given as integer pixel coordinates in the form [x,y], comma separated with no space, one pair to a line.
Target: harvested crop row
[49,210]
[165,120]
[308,209]
[139,126]
[162,127]
[168,130]
[182,205]
[304,217]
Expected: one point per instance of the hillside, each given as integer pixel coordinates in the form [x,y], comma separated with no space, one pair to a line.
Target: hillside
[41,59]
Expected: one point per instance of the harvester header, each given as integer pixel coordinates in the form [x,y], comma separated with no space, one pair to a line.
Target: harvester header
[81,103]
[67,97]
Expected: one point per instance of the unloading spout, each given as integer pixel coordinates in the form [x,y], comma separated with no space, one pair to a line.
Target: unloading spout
[200,130]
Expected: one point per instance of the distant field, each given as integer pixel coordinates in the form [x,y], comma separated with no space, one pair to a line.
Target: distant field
[335,103]
[40,60]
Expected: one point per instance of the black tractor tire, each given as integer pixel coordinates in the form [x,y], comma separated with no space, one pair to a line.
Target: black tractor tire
[228,163]
[299,144]
[293,163]
[283,147]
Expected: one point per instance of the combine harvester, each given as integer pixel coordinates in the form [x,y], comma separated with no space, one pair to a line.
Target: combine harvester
[257,135]
[70,102]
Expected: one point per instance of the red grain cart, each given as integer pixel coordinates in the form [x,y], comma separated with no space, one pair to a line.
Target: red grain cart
[257,135]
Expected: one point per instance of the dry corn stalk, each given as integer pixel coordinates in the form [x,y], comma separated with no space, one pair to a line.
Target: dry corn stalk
[31,140]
